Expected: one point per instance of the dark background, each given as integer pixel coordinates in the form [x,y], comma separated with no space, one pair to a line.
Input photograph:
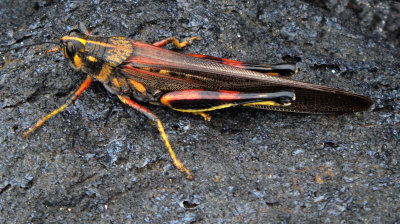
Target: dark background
[100,161]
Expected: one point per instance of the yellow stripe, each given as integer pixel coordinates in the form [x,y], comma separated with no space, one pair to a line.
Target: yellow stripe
[123,100]
[83,41]
[266,103]
[91,58]
[115,82]
[138,86]
[164,72]
[77,61]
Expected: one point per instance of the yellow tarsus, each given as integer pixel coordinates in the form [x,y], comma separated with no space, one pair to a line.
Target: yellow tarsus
[78,92]
[41,121]
[206,117]
[175,161]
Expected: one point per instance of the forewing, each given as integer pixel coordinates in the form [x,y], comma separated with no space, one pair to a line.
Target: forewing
[170,71]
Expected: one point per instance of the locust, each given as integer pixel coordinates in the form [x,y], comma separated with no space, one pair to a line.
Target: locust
[193,83]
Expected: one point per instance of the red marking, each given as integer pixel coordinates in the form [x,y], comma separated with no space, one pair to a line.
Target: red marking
[225,61]
[145,60]
[228,91]
[149,47]
[84,86]
[162,42]
[199,95]
[137,106]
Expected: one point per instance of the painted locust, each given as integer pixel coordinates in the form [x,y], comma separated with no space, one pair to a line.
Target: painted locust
[193,83]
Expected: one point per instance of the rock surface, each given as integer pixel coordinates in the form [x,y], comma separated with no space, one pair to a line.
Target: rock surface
[100,161]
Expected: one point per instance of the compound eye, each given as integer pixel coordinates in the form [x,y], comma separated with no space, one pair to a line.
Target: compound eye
[71,50]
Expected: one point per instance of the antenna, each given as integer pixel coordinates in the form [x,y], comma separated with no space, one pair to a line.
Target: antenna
[4,47]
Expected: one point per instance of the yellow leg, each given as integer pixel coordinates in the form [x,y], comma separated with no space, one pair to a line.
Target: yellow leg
[160,127]
[77,93]
[206,116]
[175,161]
[175,42]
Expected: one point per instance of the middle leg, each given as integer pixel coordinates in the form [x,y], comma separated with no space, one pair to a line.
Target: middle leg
[174,41]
